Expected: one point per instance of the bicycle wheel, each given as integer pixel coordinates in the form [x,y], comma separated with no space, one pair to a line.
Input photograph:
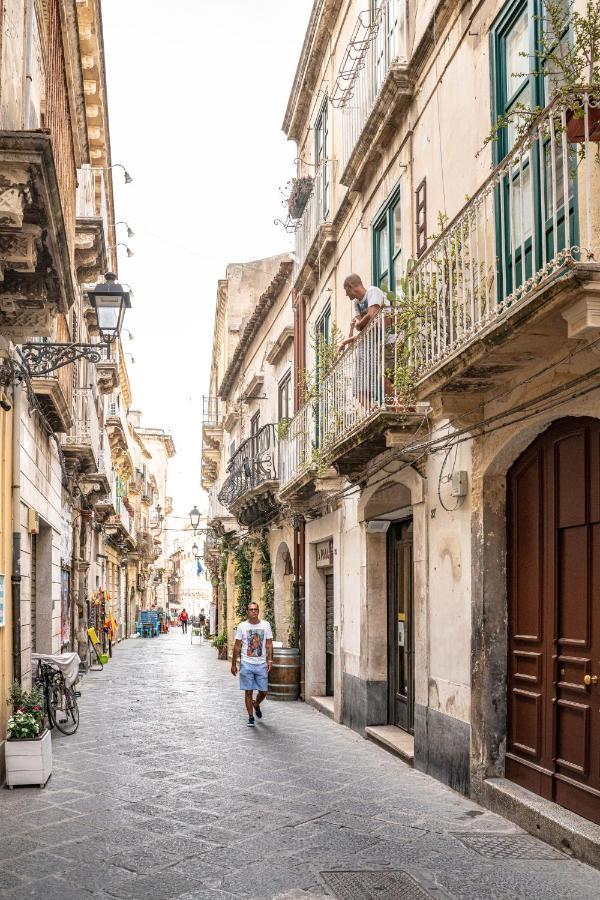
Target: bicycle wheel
[63,711]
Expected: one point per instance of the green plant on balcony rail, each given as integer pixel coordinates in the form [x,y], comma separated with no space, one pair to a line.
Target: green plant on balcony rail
[567,56]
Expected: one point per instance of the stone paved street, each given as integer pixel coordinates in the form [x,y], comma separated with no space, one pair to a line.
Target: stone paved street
[164,792]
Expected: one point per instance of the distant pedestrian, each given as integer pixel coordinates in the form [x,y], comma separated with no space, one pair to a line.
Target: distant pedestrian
[184,619]
[254,638]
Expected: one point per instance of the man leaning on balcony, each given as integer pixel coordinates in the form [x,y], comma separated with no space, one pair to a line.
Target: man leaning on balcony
[367,367]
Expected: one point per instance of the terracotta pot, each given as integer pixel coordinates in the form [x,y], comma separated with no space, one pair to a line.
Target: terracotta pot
[222,652]
[576,126]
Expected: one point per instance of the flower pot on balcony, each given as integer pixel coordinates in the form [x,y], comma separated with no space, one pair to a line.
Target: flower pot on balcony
[28,760]
[575,122]
[301,189]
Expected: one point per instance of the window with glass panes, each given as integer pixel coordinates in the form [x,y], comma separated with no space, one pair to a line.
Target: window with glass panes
[387,245]
[284,398]
[323,336]
[321,157]
[518,79]
[386,41]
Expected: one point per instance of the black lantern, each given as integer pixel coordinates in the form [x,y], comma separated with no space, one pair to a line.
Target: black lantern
[195,517]
[195,550]
[110,301]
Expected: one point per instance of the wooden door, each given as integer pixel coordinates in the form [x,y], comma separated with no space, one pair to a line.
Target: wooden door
[401,675]
[553,745]
[329,636]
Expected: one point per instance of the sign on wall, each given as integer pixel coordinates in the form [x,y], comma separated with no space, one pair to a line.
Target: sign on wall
[2,612]
[325,554]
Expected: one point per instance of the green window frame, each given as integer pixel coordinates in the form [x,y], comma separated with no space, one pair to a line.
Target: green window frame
[321,130]
[516,78]
[387,243]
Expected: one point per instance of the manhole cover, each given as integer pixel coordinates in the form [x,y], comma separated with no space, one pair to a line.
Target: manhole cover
[502,846]
[393,884]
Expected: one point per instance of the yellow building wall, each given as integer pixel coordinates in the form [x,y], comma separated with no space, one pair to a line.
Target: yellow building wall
[6,662]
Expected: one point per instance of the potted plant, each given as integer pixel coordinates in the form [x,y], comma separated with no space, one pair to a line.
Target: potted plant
[300,191]
[28,748]
[220,643]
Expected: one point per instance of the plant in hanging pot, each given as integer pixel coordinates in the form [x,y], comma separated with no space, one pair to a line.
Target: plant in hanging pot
[299,195]
[28,749]
[220,643]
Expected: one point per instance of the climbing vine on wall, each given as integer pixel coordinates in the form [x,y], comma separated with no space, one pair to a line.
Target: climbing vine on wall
[224,561]
[243,580]
[268,601]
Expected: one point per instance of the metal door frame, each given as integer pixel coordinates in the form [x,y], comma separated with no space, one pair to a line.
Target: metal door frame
[393,697]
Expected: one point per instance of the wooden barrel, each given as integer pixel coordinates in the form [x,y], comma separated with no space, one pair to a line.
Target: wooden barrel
[284,677]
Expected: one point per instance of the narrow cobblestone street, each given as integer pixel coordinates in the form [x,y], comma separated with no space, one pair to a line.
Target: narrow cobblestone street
[164,792]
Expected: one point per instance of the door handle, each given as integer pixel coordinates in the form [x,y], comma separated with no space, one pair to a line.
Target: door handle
[590,679]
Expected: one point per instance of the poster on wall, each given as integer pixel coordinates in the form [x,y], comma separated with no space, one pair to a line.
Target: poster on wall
[2,615]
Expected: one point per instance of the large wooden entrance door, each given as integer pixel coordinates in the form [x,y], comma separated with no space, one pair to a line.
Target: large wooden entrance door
[553,745]
[401,676]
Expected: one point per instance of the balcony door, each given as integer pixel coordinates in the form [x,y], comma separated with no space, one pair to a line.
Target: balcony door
[401,672]
[530,198]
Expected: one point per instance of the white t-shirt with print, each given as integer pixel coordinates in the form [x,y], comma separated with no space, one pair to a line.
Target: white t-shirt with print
[254,642]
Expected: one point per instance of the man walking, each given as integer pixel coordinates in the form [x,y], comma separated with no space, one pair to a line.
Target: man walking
[184,619]
[254,639]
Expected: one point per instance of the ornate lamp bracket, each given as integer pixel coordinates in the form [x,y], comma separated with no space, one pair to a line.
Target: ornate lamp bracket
[43,359]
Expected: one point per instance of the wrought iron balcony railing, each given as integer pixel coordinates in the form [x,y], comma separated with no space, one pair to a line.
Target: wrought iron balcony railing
[216,510]
[254,463]
[359,385]
[528,224]
[381,45]
[210,410]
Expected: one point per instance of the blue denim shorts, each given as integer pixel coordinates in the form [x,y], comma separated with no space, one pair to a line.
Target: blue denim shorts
[254,678]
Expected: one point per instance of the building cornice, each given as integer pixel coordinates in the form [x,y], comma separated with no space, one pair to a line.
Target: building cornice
[322,20]
[264,304]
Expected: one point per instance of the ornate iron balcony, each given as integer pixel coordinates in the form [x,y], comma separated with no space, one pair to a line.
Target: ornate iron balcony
[252,469]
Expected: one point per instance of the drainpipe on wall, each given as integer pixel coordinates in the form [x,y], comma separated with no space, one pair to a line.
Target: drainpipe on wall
[30,17]
[16,531]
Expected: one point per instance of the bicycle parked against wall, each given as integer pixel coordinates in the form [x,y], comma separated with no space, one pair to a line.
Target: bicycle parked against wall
[60,699]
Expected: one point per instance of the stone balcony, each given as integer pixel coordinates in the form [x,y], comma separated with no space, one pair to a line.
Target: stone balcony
[35,253]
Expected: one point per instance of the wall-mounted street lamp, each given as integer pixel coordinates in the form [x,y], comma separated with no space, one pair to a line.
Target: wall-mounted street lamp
[127,176]
[109,300]
[130,231]
[195,551]
[195,518]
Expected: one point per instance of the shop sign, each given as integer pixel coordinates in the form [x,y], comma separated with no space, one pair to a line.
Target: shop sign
[325,554]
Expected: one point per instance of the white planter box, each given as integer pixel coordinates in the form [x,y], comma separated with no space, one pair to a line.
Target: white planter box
[28,762]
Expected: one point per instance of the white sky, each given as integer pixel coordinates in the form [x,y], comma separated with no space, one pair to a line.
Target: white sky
[197,92]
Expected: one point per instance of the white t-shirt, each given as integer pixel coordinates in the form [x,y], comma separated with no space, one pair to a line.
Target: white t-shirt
[375,297]
[254,642]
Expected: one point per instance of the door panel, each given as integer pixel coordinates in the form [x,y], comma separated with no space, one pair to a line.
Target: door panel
[401,639]
[329,635]
[554,617]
